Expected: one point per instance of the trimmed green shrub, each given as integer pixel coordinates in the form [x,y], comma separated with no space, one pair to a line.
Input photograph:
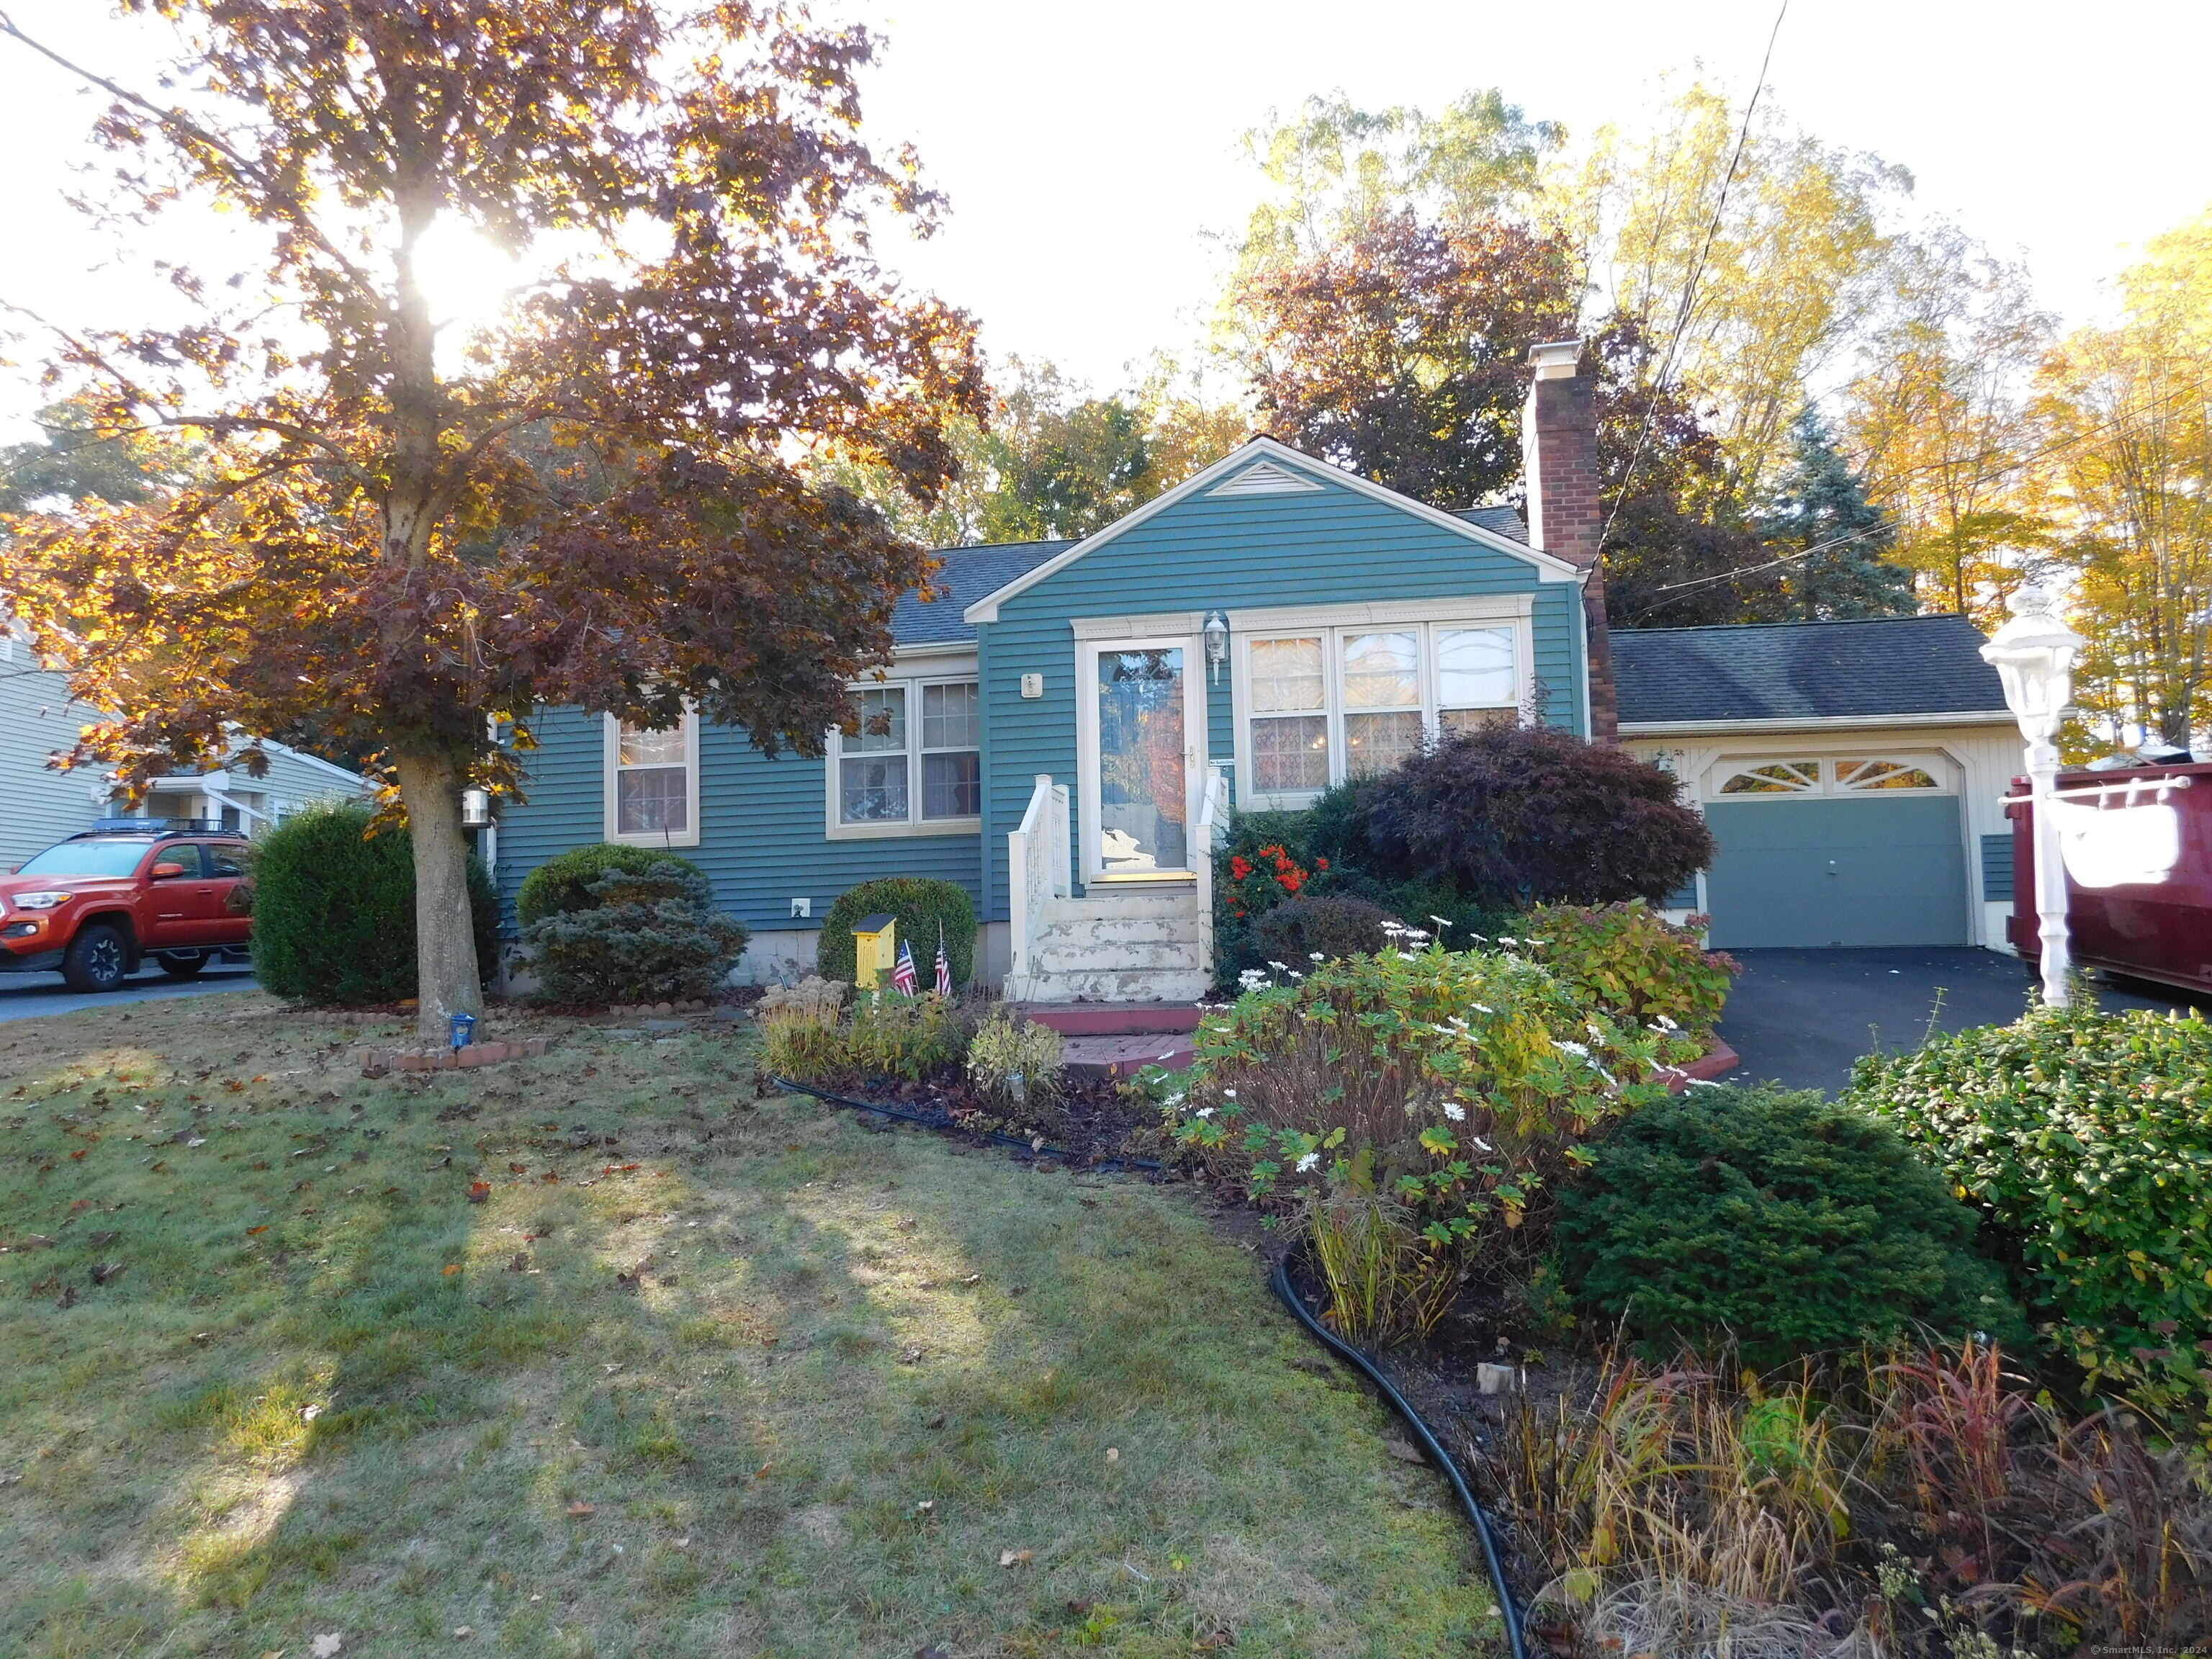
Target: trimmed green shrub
[647,937]
[1630,960]
[1779,1220]
[334,909]
[1328,926]
[921,907]
[2088,1137]
[562,885]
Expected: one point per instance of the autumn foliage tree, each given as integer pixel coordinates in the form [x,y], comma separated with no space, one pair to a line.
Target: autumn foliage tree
[402,539]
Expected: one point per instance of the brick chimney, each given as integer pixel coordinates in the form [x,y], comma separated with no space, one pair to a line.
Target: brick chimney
[1558,453]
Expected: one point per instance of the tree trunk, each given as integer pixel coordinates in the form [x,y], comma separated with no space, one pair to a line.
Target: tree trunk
[448,981]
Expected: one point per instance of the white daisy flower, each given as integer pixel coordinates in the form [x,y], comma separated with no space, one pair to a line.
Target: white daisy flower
[1204,1111]
[1454,1111]
[1571,1047]
[1308,1163]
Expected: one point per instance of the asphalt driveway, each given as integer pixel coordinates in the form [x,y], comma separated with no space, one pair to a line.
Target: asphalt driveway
[31,996]
[1800,1017]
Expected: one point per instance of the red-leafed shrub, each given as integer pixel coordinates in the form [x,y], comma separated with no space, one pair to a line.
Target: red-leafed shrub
[1514,815]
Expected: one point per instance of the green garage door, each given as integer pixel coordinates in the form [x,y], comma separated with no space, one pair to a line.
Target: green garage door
[1859,870]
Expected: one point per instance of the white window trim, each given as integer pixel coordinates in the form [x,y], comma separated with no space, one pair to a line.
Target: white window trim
[1937,764]
[611,790]
[1423,619]
[1091,869]
[833,826]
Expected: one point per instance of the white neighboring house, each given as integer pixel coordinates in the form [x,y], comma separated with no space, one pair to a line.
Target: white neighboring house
[39,805]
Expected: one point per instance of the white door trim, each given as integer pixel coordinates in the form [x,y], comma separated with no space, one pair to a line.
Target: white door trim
[1087,652]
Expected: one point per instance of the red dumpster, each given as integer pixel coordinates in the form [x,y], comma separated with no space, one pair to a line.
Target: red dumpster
[2137,845]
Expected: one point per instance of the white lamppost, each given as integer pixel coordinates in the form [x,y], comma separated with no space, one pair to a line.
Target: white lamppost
[2034,654]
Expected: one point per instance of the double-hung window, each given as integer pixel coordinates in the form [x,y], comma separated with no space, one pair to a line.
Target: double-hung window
[652,784]
[1322,704]
[914,765]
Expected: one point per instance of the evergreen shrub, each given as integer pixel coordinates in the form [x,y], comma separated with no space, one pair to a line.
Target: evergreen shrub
[645,936]
[334,909]
[2088,1137]
[1776,1220]
[562,885]
[1328,926]
[921,906]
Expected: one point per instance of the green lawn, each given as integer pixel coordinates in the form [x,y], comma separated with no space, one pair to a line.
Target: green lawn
[325,1393]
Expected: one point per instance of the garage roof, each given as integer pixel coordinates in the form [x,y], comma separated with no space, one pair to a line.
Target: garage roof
[1915,666]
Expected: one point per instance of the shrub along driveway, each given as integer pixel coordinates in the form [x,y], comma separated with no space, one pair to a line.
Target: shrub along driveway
[1802,1018]
[749,1380]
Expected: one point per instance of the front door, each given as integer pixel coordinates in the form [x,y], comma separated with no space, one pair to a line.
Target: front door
[1144,734]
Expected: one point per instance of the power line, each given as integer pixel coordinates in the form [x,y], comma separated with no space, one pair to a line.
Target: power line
[1696,275]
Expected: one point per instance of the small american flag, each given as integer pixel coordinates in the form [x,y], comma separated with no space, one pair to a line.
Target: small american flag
[903,974]
[943,965]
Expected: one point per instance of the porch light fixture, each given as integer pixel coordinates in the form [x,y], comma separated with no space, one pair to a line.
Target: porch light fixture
[1217,642]
[2034,654]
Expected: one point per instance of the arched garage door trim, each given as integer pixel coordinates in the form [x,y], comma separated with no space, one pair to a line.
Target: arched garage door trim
[1861,849]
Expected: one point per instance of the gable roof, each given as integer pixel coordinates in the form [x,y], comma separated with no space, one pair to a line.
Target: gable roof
[1912,666]
[1277,458]
[968,574]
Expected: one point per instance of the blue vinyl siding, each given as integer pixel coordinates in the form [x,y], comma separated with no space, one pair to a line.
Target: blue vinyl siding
[761,840]
[760,837]
[1214,553]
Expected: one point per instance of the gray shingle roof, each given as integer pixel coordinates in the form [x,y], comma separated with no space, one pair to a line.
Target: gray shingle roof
[969,573]
[1505,520]
[1817,670]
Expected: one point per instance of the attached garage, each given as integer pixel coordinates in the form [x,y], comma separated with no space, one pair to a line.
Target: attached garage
[1812,870]
[1851,772]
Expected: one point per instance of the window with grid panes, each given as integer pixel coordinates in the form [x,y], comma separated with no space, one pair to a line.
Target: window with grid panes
[652,782]
[917,758]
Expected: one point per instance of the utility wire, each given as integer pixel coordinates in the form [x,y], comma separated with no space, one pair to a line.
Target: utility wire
[1696,275]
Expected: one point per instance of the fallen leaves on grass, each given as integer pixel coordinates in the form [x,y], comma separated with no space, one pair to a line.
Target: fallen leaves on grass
[107,1271]
[1016,1558]
[479,1192]
[1404,1451]
[451,1268]
[579,1509]
[326,1647]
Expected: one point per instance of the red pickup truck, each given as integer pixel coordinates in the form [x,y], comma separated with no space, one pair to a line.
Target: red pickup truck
[97,904]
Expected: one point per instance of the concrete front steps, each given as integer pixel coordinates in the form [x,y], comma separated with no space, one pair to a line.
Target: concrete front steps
[1118,1039]
[1134,944]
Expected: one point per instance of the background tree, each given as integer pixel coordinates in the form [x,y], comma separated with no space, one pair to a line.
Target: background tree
[1055,460]
[73,460]
[1772,273]
[2127,464]
[1400,350]
[1938,419]
[589,505]
[1679,549]
[1830,543]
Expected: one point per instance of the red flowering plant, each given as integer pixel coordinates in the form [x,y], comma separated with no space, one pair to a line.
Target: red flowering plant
[1258,882]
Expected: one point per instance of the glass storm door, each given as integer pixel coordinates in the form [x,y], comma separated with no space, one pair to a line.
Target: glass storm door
[1142,786]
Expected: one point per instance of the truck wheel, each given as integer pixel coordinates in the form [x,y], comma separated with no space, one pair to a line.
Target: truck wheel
[180,967]
[97,959]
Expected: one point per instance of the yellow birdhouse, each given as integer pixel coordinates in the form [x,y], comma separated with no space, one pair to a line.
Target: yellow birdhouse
[875,951]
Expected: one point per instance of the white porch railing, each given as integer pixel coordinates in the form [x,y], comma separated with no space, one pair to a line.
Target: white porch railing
[1039,864]
[1212,819]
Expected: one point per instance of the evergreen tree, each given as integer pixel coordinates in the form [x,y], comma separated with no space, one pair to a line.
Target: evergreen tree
[1822,504]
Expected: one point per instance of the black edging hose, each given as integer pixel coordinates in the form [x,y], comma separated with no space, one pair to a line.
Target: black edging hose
[991,1135]
[1430,1443]
[1321,1333]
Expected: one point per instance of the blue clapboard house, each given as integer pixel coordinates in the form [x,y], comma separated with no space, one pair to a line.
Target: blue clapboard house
[1065,728]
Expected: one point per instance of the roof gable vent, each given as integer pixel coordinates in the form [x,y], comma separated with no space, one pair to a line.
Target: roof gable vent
[1265,479]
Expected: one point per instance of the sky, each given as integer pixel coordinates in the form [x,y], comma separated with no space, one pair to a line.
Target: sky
[1092,153]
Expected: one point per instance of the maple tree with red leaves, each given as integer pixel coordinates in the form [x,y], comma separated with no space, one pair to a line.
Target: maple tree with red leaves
[596,503]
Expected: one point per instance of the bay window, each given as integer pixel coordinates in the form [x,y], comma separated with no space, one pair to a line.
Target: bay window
[1320,704]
